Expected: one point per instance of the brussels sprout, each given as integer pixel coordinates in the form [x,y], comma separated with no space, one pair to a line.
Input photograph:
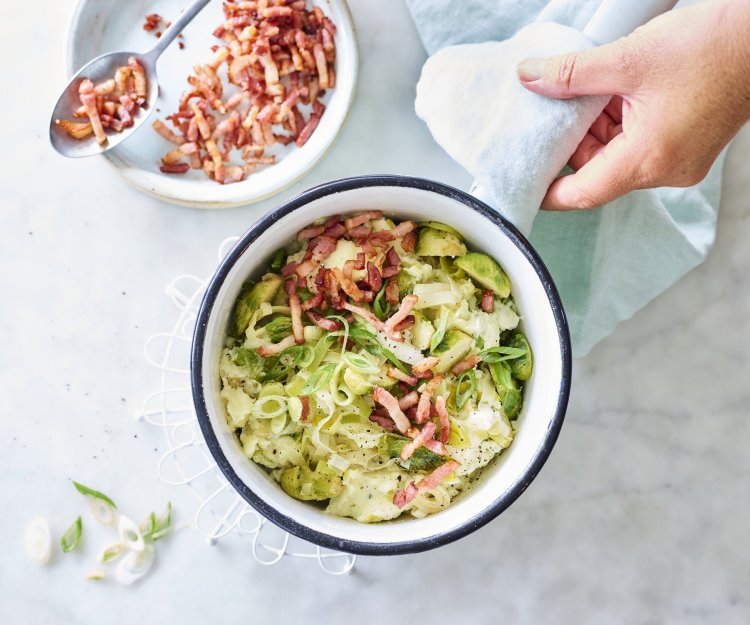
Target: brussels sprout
[421,331]
[436,225]
[507,388]
[431,242]
[421,460]
[485,272]
[249,300]
[453,346]
[521,367]
[302,483]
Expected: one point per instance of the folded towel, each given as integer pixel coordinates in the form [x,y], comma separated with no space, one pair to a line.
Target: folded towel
[608,262]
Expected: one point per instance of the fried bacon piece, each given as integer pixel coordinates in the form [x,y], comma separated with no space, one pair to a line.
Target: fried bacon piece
[432,481]
[296,311]
[425,367]
[383,420]
[397,374]
[351,289]
[331,325]
[409,400]
[321,248]
[425,399]
[445,422]
[281,57]
[365,314]
[152,22]
[310,232]
[407,304]
[390,403]
[89,102]
[305,400]
[420,436]
[77,130]
[391,292]
[488,301]
[465,365]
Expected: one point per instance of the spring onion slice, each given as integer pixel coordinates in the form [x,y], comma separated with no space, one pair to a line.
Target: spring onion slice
[442,326]
[294,408]
[359,363]
[501,353]
[96,574]
[159,526]
[318,380]
[102,511]
[111,553]
[130,534]
[269,407]
[135,565]
[469,378]
[90,492]
[37,540]
[72,537]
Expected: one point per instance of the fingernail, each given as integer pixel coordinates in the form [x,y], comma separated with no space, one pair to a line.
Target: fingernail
[530,70]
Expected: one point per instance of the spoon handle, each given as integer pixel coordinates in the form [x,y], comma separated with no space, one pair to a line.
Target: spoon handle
[176,28]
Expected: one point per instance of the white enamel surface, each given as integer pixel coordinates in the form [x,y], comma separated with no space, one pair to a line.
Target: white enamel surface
[101,26]
[541,396]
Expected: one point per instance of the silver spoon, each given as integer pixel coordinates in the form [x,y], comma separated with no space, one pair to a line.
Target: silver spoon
[102,68]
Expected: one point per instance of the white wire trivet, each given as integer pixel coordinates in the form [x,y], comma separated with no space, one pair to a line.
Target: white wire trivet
[187,461]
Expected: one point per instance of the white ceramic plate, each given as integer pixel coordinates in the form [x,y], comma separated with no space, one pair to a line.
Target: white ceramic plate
[101,26]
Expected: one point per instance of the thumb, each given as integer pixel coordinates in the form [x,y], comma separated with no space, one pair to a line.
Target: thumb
[606,70]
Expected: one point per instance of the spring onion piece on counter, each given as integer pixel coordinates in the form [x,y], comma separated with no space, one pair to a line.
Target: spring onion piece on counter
[37,540]
[72,537]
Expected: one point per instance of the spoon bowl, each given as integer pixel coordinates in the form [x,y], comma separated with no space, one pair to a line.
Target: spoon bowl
[101,68]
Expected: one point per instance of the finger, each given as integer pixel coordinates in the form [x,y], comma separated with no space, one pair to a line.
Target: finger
[614,108]
[605,128]
[589,147]
[606,70]
[609,174]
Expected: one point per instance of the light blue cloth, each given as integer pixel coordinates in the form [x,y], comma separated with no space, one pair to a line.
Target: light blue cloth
[608,262]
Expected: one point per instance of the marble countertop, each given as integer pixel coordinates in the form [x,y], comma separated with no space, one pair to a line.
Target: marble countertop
[640,516]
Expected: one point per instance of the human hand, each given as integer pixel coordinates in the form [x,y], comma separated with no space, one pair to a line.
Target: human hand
[681,91]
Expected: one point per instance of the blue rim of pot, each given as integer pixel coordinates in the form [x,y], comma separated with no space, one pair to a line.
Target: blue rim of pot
[320,538]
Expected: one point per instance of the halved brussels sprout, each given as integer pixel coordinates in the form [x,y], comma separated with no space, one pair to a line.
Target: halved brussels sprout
[485,272]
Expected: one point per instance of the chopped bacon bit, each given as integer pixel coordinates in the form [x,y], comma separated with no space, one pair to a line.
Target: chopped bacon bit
[436,447]
[359,232]
[310,232]
[152,22]
[425,366]
[383,420]
[139,76]
[427,432]
[425,404]
[331,325]
[409,321]
[351,289]
[88,99]
[77,130]
[315,301]
[335,231]
[288,269]
[296,311]
[397,374]
[432,481]
[174,168]
[322,248]
[374,279]
[409,400]
[306,267]
[365,314]
[165,132]
[445,422]
[278,55]
[271,349]
[392,293]
[407,304]
[390,403]
[488,301]
[465,365]
[305,400]
[394,260]
[409,242]
[361,219]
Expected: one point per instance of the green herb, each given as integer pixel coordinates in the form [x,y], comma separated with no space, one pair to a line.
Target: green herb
[480,342]
[442,326]
[278,259]
[318,379]
[380,306]
[501,353]
[369,342]
[90,492]
[304,295]
[250,359]
[72,537]
[155,528]
[467,379]
[421,460]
